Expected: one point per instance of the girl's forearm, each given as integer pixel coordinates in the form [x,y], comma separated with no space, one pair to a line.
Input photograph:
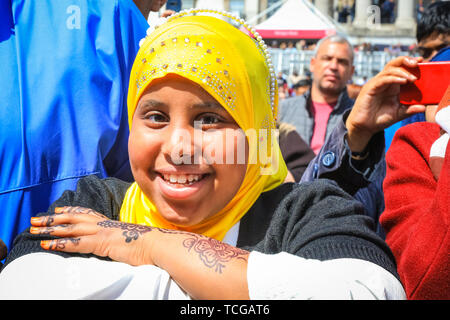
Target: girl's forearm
[204,267]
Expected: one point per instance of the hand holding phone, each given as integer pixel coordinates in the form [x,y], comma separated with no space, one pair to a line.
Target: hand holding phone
[433,79]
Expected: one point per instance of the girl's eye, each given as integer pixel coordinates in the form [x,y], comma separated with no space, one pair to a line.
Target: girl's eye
[209,119]
[157,118]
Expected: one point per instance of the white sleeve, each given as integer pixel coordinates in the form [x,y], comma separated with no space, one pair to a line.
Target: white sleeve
[50,276]
[285,276]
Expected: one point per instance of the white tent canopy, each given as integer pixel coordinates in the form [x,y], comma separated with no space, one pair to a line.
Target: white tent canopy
[297,19]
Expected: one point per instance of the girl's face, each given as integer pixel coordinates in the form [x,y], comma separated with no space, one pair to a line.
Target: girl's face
[184,151]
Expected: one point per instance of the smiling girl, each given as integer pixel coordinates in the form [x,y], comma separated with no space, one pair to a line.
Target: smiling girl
[221,228]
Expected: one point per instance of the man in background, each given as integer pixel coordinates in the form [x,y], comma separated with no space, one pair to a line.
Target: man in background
[315,113]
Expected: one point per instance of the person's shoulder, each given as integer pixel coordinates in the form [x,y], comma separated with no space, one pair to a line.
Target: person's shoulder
[94,186]
[130,18]
[416,132]
[108,182]
[125,5]
[283,196]
[420,126]
[293,100]
[292,105]
[95,179]
[317,186]
[413,140]
[307,193]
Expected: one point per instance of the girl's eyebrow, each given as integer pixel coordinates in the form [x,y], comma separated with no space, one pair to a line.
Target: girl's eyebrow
[150,103]
[209,105]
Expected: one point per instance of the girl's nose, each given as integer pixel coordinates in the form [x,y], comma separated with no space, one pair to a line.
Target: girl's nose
[181,146]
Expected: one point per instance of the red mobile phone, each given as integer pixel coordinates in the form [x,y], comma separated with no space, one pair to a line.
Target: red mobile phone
[433,79]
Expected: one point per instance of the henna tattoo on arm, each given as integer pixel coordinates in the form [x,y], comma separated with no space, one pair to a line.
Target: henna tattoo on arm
[131,231]
[78,210]
[51,229]
[48,221]
[213,253]
[60,244]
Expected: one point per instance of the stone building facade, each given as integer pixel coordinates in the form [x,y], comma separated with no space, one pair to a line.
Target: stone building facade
[365,22]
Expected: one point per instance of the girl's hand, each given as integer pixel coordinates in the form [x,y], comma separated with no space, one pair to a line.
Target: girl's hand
[84,230]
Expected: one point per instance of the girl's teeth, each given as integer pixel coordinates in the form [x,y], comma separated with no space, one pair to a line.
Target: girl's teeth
[182,179]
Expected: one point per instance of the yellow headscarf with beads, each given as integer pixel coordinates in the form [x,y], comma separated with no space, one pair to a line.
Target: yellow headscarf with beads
[235,69]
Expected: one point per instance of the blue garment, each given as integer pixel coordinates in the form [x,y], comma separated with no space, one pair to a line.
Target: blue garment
[443,55]
[63,89]
[390,132]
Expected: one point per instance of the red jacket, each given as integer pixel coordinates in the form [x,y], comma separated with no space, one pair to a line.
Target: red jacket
[416,218]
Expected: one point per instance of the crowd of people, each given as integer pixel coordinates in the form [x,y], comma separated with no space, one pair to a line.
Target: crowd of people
[116,186]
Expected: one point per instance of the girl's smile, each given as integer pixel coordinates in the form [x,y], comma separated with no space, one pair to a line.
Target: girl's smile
[181,187]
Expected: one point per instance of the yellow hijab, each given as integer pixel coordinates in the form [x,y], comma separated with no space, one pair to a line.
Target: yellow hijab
[234,69]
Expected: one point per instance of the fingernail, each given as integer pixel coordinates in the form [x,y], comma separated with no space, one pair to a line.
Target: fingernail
[59,210]
[34,230]
[35,220]
[45,244]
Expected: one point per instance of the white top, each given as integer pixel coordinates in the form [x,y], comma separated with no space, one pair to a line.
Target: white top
[279,276]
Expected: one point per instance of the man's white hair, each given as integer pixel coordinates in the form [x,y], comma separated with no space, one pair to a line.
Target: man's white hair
[335,38]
